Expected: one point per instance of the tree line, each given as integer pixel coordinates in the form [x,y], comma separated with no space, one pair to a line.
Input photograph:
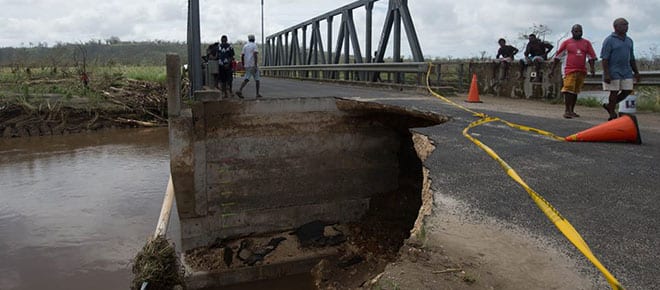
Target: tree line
[114,51]
[92,53]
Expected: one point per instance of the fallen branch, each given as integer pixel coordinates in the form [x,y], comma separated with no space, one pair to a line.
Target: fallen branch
[450,270]
[47,81]
[113,100]
[119,90]
[154,115]
[136,122]
[93,120]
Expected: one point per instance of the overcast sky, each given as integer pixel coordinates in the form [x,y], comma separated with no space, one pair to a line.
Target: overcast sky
[445,28]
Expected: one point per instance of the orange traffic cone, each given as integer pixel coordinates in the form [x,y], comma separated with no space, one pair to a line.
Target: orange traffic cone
[622,129]
[473,95]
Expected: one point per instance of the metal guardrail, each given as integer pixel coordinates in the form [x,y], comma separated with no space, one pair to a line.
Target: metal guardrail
[452,74]
[393,72]
[648,78]
[403,67]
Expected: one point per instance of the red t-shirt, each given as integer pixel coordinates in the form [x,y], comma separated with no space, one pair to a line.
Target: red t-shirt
[576,54]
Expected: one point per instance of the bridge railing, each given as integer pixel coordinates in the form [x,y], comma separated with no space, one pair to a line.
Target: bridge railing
[648,78]
[455,75]
[402,73]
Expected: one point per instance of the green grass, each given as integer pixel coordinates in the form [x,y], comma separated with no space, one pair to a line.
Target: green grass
[66,81]
[648,99]
[63,83]
[589,102]
[143,73]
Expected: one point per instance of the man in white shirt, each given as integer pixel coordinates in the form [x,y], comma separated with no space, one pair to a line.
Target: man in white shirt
[250,63]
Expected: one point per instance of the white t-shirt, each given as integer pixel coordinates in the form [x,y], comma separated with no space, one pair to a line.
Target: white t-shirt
[248,54]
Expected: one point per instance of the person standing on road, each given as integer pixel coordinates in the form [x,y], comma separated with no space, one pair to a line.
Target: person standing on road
[250,61]
[225,58]
[619,66]
[504,56]
[211,59]
[577,49]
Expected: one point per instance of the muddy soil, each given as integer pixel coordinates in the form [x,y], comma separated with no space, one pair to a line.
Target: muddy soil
[134,104]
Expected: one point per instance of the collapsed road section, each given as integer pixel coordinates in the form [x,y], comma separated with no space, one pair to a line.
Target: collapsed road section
[277,187]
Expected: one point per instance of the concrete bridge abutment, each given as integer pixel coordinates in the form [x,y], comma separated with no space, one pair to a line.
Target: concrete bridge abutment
[247,167]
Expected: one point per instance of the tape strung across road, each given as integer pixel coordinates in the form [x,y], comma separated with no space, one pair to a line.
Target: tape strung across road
[553,215]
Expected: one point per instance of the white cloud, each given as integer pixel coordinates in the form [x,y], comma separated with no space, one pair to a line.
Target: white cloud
[445,28]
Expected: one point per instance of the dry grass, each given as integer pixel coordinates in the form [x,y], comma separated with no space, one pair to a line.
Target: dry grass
[157,264]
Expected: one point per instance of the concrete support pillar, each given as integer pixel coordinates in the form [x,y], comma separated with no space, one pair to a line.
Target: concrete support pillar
[173,62]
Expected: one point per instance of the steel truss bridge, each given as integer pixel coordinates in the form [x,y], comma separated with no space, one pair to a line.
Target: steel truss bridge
[302,51]
[299,51]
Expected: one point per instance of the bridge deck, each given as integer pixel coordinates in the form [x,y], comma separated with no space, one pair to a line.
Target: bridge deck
[592,200]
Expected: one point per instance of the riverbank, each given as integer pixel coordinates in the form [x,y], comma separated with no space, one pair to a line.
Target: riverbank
[126,104]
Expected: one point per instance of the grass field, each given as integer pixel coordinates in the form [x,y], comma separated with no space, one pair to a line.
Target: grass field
[142,73]
[66,82]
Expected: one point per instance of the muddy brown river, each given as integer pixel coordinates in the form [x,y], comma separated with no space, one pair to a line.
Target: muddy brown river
[74,210]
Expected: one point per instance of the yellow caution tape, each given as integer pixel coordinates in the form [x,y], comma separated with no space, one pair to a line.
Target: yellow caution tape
[533,130]
[553,214]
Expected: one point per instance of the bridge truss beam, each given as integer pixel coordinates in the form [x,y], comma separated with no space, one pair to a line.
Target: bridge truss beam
[284,48]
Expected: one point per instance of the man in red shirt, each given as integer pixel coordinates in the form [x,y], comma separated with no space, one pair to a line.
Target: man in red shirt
[576,49]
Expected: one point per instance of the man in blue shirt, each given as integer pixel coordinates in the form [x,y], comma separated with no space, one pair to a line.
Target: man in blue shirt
[618,65]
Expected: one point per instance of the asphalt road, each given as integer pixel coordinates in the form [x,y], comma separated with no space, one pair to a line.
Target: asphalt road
[609,192]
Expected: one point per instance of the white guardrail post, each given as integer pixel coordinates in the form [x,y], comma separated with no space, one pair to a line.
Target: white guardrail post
[166,209]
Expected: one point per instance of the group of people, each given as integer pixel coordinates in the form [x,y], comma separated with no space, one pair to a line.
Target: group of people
[224,54]
[618,63]
[536,52]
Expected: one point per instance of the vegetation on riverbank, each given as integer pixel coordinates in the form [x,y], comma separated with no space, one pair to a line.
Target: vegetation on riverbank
[53,101]
[648,100]
[70,88]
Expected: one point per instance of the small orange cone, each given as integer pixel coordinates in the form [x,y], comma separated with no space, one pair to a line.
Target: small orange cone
[473,95]
[622,129]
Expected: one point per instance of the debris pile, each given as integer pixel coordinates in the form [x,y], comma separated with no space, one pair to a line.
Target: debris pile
[134,104]
[157,265]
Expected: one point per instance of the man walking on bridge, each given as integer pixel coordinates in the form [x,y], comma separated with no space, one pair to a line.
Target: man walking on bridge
[250,61]
[619,66]
[577,49]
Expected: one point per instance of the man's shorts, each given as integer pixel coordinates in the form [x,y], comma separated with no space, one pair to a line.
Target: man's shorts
[533,58]
[618,85]
[505,59]
[573,82]
[252,72]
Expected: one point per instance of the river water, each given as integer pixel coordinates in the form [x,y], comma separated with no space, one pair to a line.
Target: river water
[74,210]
